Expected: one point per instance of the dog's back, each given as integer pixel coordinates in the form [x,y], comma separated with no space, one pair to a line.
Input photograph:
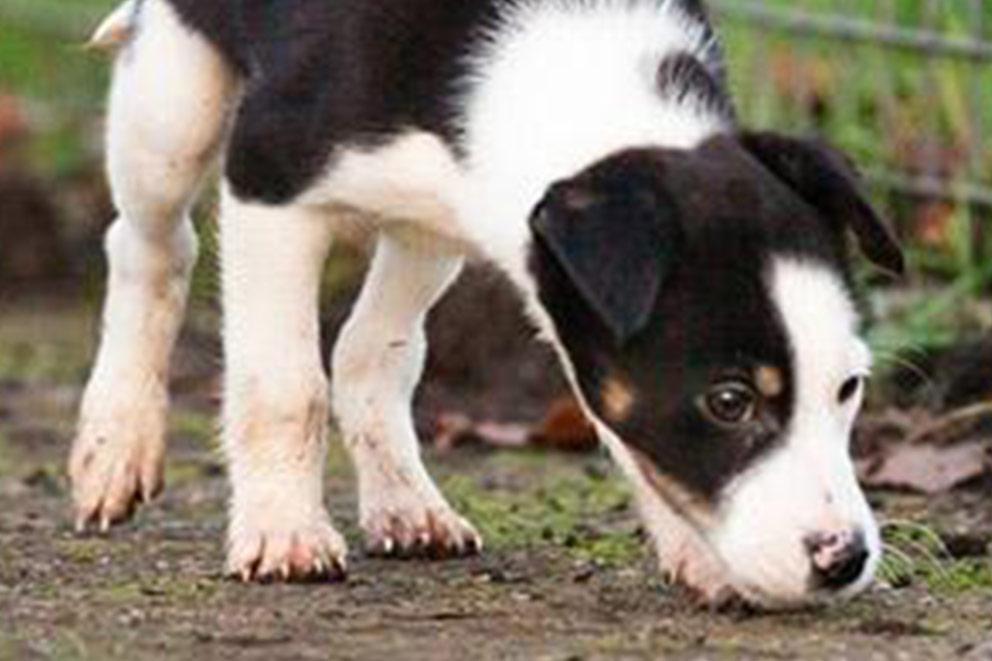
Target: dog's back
[322,74]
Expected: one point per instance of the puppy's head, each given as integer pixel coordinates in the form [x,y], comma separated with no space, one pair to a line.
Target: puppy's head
[702,300]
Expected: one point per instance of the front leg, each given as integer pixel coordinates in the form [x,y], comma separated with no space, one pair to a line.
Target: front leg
[275,413]
[377,363]
[684,557]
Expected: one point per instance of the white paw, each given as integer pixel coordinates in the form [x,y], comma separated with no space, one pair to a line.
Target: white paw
[117,462]
[400,522]
[285,548]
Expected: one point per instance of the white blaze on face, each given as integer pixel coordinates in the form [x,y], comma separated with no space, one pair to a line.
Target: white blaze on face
[807,485]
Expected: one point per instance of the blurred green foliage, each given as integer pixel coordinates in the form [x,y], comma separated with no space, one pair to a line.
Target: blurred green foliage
[894,111]
[42,58]
[890,109]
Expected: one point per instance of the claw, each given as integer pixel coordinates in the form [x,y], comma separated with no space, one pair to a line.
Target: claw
[302,553]
[433,533]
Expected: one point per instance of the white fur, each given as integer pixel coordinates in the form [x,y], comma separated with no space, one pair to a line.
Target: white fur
[377,364]
[275,409]
[556,89]
[682,551]
[411,183]
[808,485]
[168,107]
[115,30]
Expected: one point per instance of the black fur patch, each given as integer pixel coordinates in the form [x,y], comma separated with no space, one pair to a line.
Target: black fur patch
[695,9]
[221,22]
[682,75]
[714,58]
[827,180]
[713,320]
[616,240]
[324,73]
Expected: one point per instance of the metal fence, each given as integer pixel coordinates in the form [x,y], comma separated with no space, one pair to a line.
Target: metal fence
[905,85]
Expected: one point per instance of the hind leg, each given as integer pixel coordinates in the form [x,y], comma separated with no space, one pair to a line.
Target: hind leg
[377,363]
[168,108]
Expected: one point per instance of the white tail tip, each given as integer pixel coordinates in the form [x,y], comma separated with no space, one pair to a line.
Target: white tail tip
[115,30]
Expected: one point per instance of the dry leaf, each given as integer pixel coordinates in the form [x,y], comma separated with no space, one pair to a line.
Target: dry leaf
[928,469]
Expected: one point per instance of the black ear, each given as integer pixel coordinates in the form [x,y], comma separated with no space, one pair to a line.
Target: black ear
[615,244]
[827,180]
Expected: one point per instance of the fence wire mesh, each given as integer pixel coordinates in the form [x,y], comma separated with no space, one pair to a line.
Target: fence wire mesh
[903,85]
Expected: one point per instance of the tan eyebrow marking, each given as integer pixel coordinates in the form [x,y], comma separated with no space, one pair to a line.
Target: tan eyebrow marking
[770,381]
[617,398]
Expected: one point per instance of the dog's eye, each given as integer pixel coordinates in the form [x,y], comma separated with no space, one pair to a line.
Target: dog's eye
[850,388]
[731,403]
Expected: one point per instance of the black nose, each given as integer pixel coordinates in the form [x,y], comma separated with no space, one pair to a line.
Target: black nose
[838,558]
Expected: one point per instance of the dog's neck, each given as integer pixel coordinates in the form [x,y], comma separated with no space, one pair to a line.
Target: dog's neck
[557,87]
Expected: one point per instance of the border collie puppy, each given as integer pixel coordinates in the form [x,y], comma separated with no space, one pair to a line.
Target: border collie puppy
[692,276]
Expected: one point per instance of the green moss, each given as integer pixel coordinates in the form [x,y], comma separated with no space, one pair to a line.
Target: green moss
[69,645]
[32,362]
[176,590]
[6,463]
[338,463]
[915,553]
[964,576]
[11,648]
[125,592]
[614,550]
[46,343]
[200,427]
[82,551]
[569,512]
[180,473]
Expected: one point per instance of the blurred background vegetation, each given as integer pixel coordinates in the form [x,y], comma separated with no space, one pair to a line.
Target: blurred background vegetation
[905,86]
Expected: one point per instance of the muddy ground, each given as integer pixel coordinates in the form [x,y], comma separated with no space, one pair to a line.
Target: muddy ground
[565,574]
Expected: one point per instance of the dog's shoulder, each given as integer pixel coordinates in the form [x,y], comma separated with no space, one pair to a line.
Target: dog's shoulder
[321,74]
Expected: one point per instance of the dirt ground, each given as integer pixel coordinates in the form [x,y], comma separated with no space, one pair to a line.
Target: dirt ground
[565,574]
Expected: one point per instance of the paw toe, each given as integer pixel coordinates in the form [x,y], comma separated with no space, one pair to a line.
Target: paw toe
[431,534]
[111,478]
[288,556]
